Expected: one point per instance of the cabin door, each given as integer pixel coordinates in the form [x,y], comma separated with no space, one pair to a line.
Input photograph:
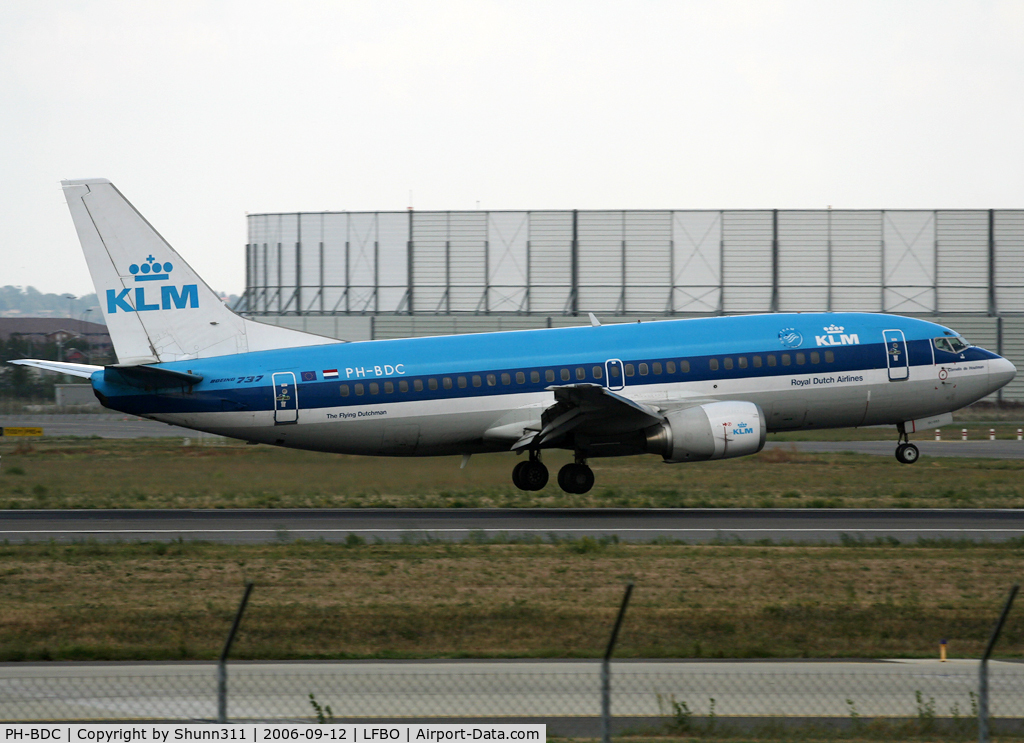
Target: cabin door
[614,374]
[896,355]
[286,398]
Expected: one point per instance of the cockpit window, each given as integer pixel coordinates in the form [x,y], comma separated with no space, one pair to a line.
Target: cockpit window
[950,345]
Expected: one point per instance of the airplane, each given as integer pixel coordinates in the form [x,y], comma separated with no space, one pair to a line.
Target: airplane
[687,390]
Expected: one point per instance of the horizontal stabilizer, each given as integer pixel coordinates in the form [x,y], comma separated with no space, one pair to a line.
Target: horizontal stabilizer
[61,367]
[152,377]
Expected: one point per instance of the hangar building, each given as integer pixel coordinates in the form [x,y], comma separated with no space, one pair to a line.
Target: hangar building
[365,275]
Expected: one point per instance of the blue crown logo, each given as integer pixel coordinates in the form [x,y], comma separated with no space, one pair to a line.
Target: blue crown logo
[151,270]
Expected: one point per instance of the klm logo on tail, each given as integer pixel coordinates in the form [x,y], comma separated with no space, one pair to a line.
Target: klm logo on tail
[181,298]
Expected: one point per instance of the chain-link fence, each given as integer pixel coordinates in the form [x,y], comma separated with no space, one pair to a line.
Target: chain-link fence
[404,690]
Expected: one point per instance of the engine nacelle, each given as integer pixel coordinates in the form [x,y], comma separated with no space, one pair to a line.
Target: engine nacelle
[717,430]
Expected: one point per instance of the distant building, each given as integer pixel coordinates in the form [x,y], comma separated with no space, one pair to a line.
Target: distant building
[42,330]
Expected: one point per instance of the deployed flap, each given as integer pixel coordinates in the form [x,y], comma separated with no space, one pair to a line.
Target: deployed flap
[156,307]
[588,408]
[61,367]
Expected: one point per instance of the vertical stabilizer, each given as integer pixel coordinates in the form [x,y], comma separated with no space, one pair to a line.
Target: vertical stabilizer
[156,307]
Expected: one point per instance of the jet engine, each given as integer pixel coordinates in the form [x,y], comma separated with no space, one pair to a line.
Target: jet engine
[717,430]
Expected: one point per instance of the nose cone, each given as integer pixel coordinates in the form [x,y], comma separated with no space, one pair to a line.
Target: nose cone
[1000,372]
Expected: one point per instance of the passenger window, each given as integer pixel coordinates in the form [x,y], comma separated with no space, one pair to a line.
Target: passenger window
[815,357]
[670,366]
[684,366]
[389,388]
[597,372]
[506,379]
[359,389]
[476,380]
[656,367]
[447,383]
[535,376]
[493,380]
[629,370]
[417,384]
[581,373]
[344,390]
[742,362]
[727,362]
[772,360]
[713,364]
[757,362]
[549,375]
[432,384]
[801,359]
[565,375]
[374,388]
[403,386]
[614,372]
[644,369]
[520,378]
[461,381]
[829,357]
[786,360]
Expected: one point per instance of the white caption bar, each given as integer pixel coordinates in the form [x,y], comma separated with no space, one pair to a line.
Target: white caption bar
[115,732]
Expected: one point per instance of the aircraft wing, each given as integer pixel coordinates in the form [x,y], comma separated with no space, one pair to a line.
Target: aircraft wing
[61,367]
[588,408]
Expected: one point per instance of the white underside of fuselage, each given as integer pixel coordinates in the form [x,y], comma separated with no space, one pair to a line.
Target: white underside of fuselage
[825,399]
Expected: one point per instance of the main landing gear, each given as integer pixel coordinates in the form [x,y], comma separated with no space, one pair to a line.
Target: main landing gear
[531,474]
[906,453]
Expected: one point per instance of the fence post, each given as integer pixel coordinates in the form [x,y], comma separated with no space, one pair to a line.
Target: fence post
[606,671]
[983,669]
[222,663]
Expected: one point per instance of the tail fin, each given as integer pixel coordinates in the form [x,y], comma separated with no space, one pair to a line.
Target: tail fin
[157,308]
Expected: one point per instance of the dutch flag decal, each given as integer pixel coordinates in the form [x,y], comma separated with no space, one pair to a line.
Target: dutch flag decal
[330,373]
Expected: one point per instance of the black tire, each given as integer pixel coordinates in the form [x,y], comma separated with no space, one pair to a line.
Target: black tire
[576,478]
[899,453]
[517,475]
[534,475]
[908,454]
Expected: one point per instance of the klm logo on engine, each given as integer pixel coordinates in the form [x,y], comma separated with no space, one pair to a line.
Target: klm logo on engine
[742,428]
[180,298]
[834,336]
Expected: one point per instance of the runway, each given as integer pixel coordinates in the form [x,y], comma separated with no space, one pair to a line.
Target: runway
[560,691]
[119,426]
[256,526]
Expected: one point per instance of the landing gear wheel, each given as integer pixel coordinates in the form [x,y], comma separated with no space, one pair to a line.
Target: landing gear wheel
[576,478]
[533,475]
[907,453]
[517,475]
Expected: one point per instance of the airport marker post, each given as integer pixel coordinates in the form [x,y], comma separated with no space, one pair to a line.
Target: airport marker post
[983,731]
[606,671]
[222,663]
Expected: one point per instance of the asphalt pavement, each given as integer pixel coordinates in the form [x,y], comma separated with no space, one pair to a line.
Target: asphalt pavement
[552,690]
[260,526]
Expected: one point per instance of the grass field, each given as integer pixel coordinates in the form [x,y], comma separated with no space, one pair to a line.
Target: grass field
[313,600]
[161,473]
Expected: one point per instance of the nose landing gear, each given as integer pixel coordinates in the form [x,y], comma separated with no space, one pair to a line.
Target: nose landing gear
[906,453]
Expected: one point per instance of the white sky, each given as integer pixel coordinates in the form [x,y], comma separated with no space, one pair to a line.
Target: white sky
[202,111]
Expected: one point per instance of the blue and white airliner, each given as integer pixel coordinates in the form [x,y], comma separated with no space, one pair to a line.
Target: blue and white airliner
[687,390]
